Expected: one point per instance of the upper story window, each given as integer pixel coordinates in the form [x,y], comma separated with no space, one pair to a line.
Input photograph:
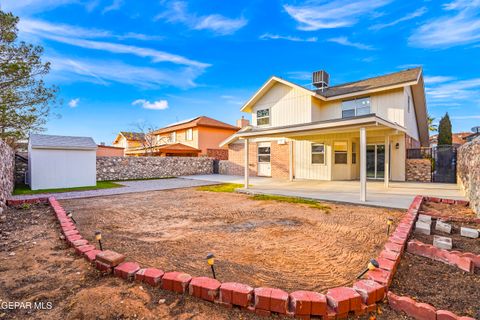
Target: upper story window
[173,137]
[263,117]
[189,134]
[355,107]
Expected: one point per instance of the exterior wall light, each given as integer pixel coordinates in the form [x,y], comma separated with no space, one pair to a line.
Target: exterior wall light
[389,224]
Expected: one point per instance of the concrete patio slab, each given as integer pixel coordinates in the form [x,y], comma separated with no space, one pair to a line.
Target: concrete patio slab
[399,194]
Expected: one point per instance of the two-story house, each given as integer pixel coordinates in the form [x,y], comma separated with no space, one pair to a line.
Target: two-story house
[357,130]
[200,136]
[129,140]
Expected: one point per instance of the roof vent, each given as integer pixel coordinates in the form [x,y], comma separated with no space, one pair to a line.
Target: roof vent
[320,79]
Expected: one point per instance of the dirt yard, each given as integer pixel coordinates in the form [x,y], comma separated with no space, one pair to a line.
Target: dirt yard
[441,285]
[36,266]
[261,243]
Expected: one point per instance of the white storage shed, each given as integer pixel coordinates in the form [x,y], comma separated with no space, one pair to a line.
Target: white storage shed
[61,162]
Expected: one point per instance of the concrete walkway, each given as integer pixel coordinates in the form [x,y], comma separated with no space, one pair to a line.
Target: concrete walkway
[129,187]
[398,195]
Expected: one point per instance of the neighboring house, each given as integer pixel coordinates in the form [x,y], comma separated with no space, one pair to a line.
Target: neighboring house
[200,136]
[471,136]
[129,140]
[109,151]
[457,139]
[61,162]
[356,130]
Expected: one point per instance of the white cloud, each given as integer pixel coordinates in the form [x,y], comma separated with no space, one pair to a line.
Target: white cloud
[269,36]
[315,15]
[73,103]
[233,99]
[116,5]
[465,117]
[346,42]
[218,24]
[437,79]
[104,72]
[34,6]
[75,36]
[155,105]
[460,26]
[417,13]
[299,75]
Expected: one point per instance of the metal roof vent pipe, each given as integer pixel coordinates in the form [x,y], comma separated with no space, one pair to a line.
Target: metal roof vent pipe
[320,79]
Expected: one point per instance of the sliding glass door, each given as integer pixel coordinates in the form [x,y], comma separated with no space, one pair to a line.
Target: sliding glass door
[375,161]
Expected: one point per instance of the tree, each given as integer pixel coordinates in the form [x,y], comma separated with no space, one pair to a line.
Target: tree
[150,140]
[445,131]
[431,126]
[25,100]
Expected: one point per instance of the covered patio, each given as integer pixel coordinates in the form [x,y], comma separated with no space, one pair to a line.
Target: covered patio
[396,195]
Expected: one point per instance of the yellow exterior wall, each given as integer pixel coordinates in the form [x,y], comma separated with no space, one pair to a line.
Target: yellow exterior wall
[287,106]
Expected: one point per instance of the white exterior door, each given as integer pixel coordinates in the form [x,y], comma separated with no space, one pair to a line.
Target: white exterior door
[263,158]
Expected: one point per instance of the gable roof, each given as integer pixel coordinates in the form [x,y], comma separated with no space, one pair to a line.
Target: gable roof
[375,84]
[133,136]
[392,79]
[201,121]
[44,141]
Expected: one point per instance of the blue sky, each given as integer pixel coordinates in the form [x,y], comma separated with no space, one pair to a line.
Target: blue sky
[123,62]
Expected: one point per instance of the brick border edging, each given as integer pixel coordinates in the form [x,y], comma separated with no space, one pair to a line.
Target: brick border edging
[336,303]
[465,261]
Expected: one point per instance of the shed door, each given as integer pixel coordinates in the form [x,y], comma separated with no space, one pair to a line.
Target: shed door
[263,156]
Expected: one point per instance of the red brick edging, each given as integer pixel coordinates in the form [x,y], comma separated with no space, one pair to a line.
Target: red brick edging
[337,303]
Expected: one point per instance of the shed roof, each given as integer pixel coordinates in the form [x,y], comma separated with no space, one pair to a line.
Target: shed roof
[44,141]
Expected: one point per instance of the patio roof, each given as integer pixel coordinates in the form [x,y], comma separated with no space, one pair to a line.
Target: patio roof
[335,125]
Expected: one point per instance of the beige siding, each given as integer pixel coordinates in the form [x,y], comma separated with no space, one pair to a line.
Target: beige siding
[287,106]
[303,167]
[389,105]
[410,118]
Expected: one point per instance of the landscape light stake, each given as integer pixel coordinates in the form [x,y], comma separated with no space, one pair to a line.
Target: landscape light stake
[372,265]
[70,215]
[98,237]
[211,261]
[389,223]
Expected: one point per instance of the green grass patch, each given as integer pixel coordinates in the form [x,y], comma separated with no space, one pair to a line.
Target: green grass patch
[224,187]
[24,189]
[310,203]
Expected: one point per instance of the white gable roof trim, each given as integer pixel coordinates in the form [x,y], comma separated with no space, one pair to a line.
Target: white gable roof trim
[44,141]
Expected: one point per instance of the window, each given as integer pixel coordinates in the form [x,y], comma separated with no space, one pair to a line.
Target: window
[173,137]
[354,153]
[189,134]
[263,117]
[318,153]
[355,107]
[340,152]
[263,154]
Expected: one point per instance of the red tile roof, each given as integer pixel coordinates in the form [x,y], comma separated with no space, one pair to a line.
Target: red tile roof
[197,122]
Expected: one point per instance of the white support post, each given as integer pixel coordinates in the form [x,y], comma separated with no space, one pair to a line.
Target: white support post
[387,161]
[363,165]
[290,172]
[245,158]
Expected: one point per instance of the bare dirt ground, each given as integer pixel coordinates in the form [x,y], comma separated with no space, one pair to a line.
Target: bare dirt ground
[36,266]
[260,243]
[448,210]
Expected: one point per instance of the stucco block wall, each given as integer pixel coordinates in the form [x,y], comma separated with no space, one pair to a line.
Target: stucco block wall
[106,151]
[419,170]
[468,171]
[127,168]
[7,168]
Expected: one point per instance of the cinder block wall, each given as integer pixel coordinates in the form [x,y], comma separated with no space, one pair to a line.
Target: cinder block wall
[468,171]
[7,173]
